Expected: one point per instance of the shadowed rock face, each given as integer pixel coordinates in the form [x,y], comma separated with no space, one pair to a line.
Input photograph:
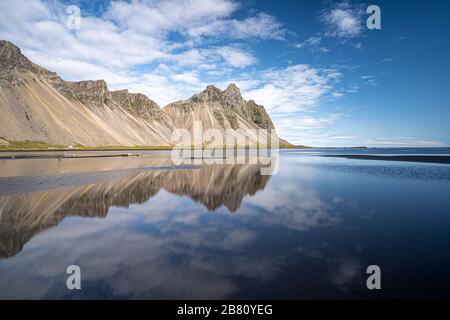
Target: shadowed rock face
[27,214]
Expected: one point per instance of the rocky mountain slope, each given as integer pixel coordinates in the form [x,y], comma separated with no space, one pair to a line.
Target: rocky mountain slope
[37,105]
[220,110]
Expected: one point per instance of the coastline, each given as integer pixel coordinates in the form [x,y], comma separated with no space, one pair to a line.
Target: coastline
[140,148]
[402,158]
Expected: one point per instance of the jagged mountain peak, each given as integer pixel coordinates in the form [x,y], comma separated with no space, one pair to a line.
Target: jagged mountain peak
[220,110]
[11,57]
[233,89]
[10,52]
[211,93]
[211,87]
[232,94]
[4,44]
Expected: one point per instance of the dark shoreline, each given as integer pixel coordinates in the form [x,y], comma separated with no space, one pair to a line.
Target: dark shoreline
[404,158]
[79,150]
[125,149]
[68,156]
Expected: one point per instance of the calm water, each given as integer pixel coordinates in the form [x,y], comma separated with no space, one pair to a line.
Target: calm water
[141,229]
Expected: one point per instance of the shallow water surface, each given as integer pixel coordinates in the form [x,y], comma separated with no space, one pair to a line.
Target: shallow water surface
[141,228]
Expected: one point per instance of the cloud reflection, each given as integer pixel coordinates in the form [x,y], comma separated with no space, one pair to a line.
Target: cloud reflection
[152,234]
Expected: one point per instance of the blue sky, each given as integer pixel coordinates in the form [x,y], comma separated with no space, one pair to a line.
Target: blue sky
[325,78]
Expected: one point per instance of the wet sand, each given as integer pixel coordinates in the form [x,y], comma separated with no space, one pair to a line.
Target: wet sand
[24,184]
[69,155]
[405,158]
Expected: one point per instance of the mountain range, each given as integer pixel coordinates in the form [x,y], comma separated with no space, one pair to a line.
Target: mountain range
[36,105]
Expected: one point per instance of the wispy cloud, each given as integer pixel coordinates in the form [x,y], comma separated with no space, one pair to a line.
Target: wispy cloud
[352,88]
[262,25]
[293,89]
[292,95]
[188,77]
[343,20]
[370,80]
[236,58]
[314,44]
[343,137]
[304,128]
[403,142]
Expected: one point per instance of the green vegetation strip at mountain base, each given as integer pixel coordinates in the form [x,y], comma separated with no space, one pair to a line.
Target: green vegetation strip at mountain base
[42,146]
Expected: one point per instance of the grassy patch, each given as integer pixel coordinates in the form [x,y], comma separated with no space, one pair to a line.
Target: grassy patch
[124,148]
[30,145]
[43,146]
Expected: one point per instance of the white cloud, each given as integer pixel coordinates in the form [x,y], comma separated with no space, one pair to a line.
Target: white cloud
[291,95]
[343,137]
[358,46]
[293,89]
[165,88]
[402,142]
[343,20]
[131,34]
[353,88]
[188,77]
[311,41]
[236,57]
[313,44]
[309,129]
[261,26]
[159,17]
[370,80]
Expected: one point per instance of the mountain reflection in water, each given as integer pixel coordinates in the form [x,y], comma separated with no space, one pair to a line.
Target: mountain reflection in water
[26,214]
[142,229]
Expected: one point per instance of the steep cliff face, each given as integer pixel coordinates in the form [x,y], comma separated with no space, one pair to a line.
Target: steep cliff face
[248,109]
[221,110]
[90,93]
[37,105]
[140,105]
